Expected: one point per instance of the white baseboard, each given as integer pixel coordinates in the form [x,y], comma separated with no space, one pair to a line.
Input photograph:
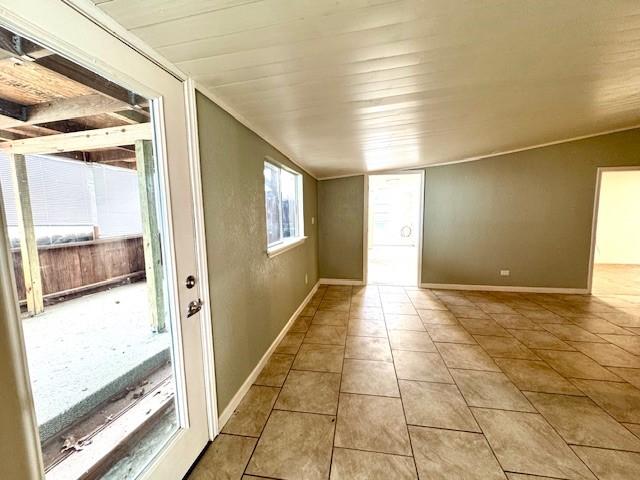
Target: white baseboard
[237,398]
[505,288]
[339,281]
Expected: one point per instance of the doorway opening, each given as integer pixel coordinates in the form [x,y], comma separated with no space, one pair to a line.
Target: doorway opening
[616,251]
[394,228]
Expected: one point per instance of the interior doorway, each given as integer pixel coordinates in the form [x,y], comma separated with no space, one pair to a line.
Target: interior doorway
[616,252]
[394,228]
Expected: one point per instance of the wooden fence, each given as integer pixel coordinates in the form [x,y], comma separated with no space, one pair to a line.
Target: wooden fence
[71,268]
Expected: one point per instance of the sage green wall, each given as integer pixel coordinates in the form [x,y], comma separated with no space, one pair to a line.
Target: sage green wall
[340,226]
[529,212]
[253,296]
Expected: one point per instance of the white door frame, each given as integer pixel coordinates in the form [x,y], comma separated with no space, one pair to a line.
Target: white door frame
[365,233]
[594,220]
[85,35]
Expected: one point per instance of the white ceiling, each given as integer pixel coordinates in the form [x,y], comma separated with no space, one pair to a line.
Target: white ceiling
[347,86]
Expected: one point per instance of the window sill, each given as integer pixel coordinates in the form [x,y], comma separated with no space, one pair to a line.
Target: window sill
[285,246]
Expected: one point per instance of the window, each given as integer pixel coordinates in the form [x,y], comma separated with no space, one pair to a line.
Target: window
[283,201]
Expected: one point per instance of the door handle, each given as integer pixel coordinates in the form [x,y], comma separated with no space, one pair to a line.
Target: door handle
[194,307]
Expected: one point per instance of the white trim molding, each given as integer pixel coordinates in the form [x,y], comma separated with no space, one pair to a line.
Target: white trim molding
[237,398]
[203,266]
[285,246]
[504,288]
[340,281]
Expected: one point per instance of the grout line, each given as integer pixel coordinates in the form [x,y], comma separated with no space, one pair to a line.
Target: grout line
[344,352]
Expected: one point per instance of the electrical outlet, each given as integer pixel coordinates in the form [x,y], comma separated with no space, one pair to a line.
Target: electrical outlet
[306,279]
[313,220]
[505,273]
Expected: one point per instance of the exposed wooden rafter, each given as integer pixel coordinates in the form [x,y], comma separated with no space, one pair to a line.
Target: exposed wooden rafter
[62,109]
[83,141]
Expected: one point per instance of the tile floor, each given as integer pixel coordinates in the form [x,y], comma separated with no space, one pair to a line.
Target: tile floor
[402,383]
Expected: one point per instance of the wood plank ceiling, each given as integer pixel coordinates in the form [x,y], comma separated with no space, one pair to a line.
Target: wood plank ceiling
[350,86]
[43,95]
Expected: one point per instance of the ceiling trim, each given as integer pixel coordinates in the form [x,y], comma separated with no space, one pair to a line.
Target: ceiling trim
[111,26]
[247,123]
[488,155]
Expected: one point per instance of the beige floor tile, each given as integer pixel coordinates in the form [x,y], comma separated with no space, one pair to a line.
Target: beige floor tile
[404,322]
[436,405]
[358,465]
[310,392]
[275,371]
[472,357]
[572,333]
[428,304]
[495,307]
[422,366]
[369,377]
[608,355]
[367,301]
[467,311]
[330,317]
[536,376]
[620,400]
[524,476]
[581,422]
[540,339]
[483,326]
[407,340]
[610,464]
[445,455]
[398,308]
[309,310]
[368,348]
[541,315]
[253,411]
[372,423]
[449,333]
[319,358]
[326,334]
[394,297]
[599,325]
[633,428]
[575,365]
[491,390]
[367,328]
[336,305]
[526,443]
[629,343]
[437,317]
[366,313]
[631,375]
[293,446]
[290,344]
[514,321]
[225,459]
[505,347]
[301,325]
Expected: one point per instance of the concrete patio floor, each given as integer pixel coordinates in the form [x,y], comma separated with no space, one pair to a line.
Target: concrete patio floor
[84,351]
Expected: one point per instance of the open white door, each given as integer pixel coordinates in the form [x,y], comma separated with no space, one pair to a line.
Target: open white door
[70,33]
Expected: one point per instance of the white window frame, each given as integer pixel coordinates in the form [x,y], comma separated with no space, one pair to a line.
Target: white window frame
[285,244]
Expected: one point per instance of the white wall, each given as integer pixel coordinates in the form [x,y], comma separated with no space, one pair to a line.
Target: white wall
[618,234]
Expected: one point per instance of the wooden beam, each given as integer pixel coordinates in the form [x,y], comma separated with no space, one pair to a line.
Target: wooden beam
[82,141]
[56,110]
[14,111]
[146,167]
[28,240]
[79,74]
[13,45]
